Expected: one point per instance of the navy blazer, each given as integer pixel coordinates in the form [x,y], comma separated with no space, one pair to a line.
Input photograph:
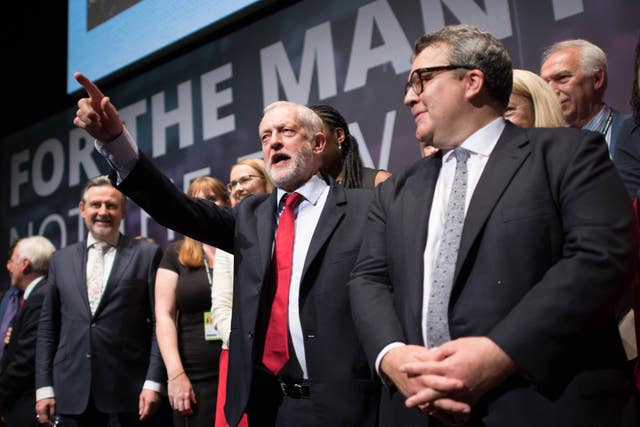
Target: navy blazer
[108,354]
[342,391]
[617,124]
[546,249]
[627,155]
[18,362]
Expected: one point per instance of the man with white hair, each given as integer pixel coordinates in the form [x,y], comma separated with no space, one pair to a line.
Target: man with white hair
[28,265]
[577,72]
[294,355]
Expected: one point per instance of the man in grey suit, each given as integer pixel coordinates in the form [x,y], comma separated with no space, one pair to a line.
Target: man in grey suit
[496,306]
[97,356]
[324,379]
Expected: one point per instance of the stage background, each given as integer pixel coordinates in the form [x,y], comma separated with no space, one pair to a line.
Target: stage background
[198,112]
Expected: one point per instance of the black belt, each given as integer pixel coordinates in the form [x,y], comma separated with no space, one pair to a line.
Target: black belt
[295,390]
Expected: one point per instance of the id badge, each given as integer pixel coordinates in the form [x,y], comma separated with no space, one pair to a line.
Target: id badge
[210,331]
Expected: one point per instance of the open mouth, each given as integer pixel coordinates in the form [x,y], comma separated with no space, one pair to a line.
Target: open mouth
[280,157]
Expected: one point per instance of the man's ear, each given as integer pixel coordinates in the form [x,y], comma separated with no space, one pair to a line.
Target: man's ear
[474,83]
[319,142]
[599,80]
[26,266]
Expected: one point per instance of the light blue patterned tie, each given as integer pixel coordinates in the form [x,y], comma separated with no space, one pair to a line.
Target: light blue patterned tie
[438,312]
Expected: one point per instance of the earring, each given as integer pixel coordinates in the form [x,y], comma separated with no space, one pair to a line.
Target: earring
[339,146]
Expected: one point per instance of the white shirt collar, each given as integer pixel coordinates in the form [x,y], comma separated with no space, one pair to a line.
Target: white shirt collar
[484,140]
[310,190]
[30,287]
[91,240]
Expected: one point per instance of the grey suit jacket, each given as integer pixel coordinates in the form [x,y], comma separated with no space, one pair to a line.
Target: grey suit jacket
[111,353]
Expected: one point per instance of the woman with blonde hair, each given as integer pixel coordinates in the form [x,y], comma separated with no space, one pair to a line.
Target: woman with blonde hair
[188,343]
[532,102]
[248,176]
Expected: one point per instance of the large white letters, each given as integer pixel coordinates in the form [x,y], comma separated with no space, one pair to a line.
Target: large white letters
[212,100]
[395,48]
[182,116]
[274,62]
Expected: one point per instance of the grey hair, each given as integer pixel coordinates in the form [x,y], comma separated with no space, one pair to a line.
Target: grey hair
[592,58]
[38,250]
[310,120]
[99,181]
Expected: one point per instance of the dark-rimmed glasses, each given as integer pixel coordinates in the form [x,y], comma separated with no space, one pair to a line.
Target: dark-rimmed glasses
[420,75]
[241,181]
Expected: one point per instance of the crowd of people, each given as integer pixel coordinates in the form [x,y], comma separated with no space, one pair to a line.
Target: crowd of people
[490,283]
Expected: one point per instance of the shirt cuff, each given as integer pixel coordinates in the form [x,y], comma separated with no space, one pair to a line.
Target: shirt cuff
[154,386]
[121,153]
[44,393]
[382,353]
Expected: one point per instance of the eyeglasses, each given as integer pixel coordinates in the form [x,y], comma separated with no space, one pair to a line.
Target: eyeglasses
[420,75]
[241,181]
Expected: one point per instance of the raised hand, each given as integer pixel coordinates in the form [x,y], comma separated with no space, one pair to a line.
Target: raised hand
[96,114]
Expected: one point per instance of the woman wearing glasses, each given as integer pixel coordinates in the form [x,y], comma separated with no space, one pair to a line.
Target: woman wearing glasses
[247,177]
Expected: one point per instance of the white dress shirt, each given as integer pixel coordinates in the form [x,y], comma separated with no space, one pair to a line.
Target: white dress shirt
[315,192]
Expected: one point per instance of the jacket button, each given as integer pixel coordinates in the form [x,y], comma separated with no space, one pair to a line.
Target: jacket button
[88,355]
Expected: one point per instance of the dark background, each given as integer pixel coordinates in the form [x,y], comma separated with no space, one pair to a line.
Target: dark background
[34,62]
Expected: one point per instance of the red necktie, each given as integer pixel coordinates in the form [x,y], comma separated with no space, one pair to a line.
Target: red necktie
[21,302]
[276,347]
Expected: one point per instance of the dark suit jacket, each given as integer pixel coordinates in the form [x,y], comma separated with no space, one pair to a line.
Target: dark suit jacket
[18,362]
[547,248]
[342,391]
[111,353]
[617,124]
[627,155]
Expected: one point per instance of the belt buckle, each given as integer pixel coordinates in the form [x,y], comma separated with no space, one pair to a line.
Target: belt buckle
[294,390]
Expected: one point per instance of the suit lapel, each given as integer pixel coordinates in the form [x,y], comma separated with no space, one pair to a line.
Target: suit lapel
[508,155]
[266,214]
[332,213]
[421,187]
[124,255]
[79,267]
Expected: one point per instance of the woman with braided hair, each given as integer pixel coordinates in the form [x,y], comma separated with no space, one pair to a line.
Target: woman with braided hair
[341,158]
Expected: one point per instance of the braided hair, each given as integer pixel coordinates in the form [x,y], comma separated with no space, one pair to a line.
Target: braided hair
[352,164]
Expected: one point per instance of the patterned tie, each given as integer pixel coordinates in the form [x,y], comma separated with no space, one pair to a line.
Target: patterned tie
[276,347]
[438,313]
[95,279]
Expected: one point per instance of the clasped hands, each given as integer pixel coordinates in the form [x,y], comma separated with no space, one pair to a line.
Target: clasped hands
[445,381]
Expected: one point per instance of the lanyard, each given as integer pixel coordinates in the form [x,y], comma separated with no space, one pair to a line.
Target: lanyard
[208,271]
[607,124]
